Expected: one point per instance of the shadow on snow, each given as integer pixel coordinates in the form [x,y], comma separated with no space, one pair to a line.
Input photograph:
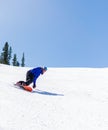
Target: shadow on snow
[47,93]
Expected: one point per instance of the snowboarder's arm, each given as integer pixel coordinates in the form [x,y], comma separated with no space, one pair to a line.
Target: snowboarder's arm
[34,83]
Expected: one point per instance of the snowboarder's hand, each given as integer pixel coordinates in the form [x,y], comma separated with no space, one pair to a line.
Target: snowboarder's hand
[34,86]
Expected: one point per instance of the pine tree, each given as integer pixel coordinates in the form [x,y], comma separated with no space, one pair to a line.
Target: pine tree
[1,59]
[6,54]
[14,60]
[10,53]
[23,61]
[18,64]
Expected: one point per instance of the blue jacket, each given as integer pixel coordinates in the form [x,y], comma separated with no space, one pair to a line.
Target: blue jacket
[36,73]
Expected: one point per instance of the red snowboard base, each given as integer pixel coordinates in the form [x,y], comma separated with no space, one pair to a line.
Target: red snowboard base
[28,88]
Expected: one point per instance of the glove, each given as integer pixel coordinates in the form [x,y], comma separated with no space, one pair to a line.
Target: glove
[34,86]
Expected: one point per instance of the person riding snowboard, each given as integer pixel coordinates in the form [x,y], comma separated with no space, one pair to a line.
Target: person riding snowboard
[32,75]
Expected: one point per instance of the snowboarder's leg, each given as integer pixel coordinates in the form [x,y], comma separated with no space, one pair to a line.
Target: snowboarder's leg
[20,83]
[29,78]
[23,85]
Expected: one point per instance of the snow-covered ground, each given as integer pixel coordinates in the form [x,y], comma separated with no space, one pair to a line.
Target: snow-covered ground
[65,99]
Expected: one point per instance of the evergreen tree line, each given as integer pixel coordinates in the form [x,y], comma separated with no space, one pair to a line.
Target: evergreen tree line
[6,56]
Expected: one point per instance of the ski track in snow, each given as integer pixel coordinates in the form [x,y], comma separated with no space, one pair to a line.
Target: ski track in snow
[65,99]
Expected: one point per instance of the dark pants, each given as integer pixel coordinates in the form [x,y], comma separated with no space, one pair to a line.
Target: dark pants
[29,79]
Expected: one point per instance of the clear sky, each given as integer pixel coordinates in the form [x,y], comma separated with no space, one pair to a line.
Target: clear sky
[56,33]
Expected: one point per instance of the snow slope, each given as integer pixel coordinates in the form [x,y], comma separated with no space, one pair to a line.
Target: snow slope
[65,99]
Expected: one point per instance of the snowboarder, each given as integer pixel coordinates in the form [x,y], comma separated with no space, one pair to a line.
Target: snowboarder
[32,75]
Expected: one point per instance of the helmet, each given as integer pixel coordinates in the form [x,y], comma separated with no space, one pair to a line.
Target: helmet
[45,68]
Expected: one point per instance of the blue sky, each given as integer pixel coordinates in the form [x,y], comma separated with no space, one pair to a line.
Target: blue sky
[56,33]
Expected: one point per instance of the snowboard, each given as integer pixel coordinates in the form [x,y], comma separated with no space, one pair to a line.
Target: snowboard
[27,87]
